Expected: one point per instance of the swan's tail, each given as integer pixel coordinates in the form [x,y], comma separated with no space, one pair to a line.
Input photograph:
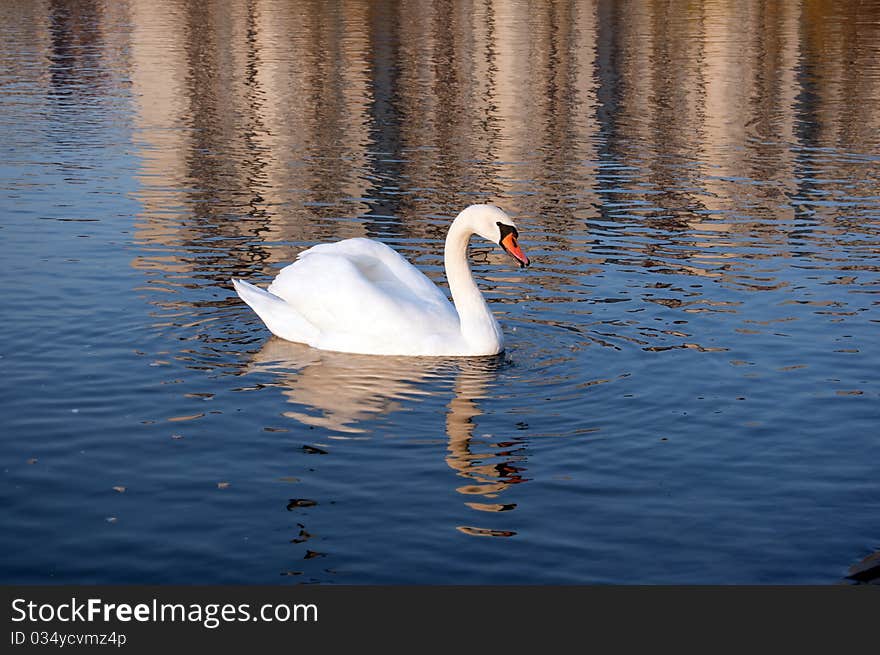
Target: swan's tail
[279,316]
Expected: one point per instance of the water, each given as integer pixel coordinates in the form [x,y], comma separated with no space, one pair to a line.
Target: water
[689,392]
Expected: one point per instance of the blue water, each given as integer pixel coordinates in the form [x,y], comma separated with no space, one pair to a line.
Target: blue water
[689,392]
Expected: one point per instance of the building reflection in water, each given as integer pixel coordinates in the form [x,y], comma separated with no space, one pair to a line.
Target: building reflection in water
[271,125]
[264,123]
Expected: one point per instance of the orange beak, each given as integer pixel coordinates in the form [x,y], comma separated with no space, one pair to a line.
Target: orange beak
[511,247]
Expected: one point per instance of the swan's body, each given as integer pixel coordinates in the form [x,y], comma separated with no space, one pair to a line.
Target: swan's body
[360,296]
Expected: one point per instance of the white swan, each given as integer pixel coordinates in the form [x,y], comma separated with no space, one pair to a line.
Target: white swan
[360,296]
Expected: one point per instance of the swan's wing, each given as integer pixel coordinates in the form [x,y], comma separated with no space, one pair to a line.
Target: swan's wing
[362,291]
[382,264]
[279,316]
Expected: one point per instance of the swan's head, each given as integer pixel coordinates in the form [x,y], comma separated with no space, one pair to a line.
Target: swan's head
[494,225]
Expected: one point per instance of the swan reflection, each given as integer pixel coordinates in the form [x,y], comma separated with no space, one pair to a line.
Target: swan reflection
[341,391]
[344,393]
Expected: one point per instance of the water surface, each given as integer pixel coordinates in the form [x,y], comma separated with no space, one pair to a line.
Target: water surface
[689,392]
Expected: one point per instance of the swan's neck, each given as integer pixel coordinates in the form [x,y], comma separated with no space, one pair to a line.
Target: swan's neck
[478,326]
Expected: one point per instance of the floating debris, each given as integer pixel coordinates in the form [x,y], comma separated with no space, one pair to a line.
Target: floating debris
[111,519]
[189,417]
[867,570]
[312,450]
[222,485]
[119,489]
[177,436]
[33,460]
[300,502]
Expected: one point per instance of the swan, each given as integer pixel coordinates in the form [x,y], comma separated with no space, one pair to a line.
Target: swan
[361,296]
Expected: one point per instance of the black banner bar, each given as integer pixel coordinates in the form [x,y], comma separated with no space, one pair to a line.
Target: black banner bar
[265,619]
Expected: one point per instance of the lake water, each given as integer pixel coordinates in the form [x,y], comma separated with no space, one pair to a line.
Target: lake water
[690,388]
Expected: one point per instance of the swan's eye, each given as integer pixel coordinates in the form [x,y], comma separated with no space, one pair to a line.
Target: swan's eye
[506,230]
